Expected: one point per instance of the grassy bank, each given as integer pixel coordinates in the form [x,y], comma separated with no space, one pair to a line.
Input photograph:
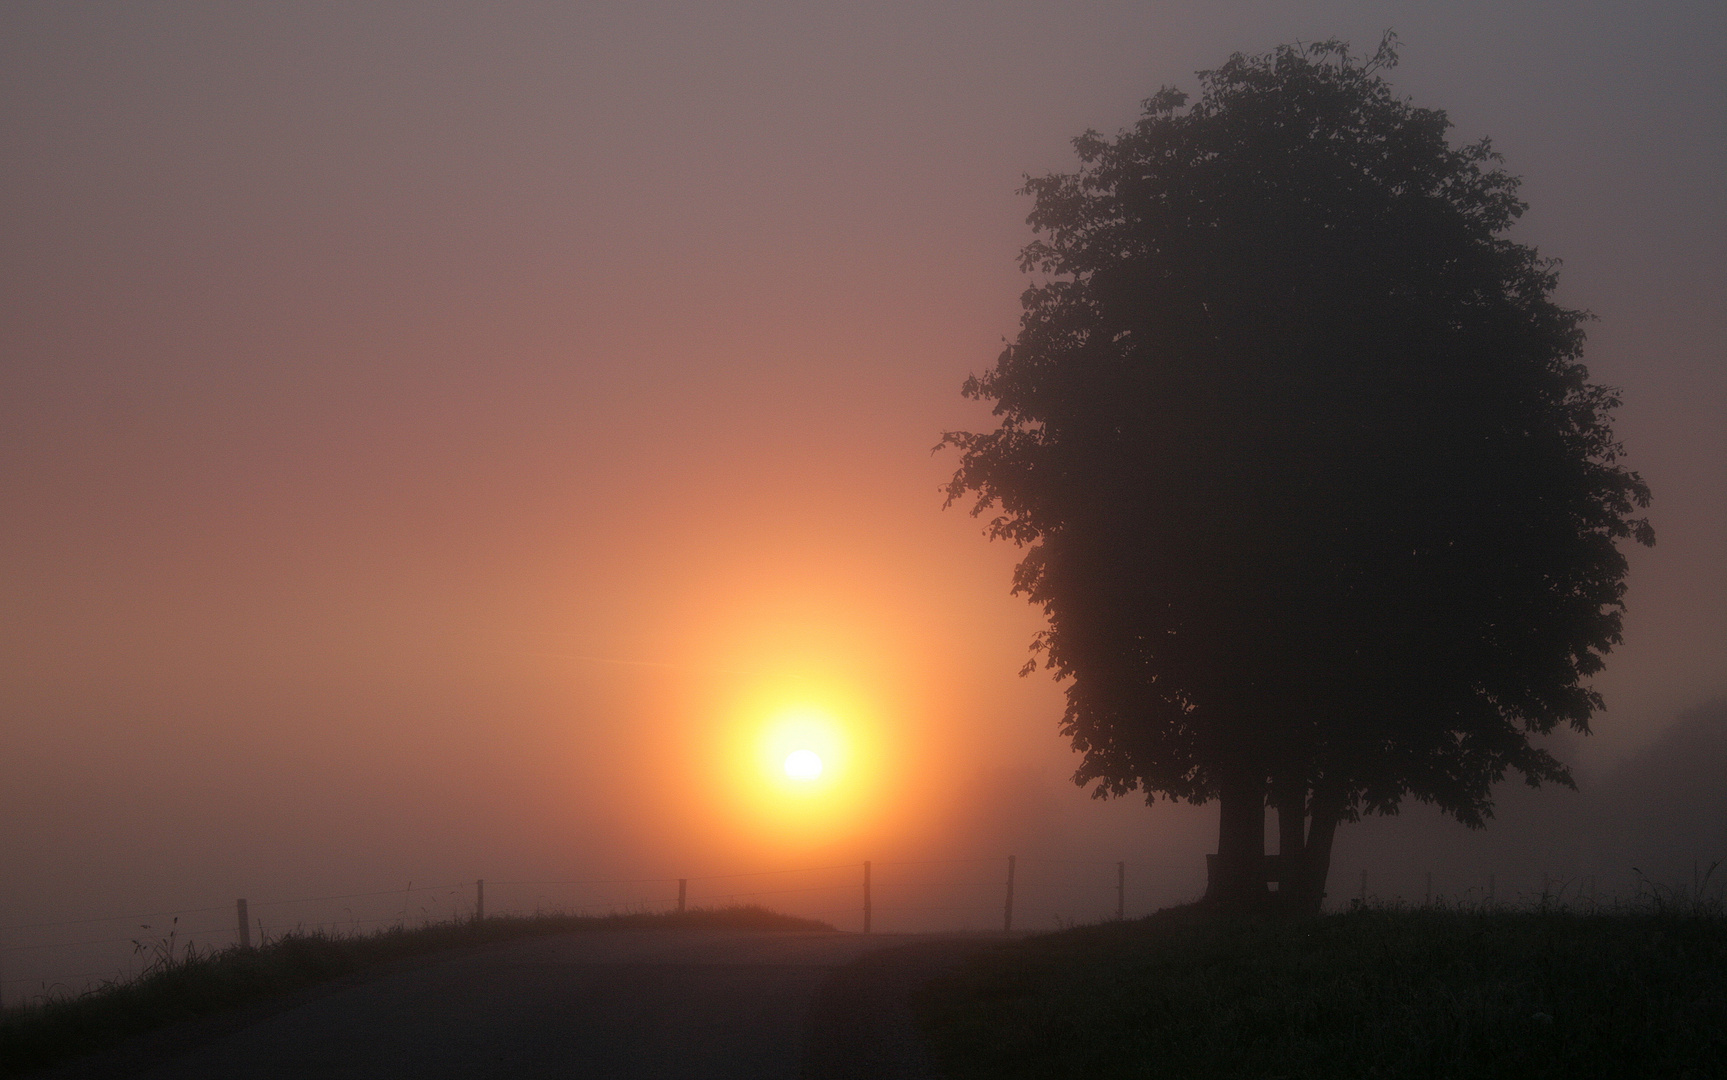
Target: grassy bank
[203,984]
[1372,993]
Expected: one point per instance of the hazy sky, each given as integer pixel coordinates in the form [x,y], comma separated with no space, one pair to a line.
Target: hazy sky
[432,435]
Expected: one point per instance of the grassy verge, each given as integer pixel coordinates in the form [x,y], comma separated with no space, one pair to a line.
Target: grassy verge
[49,1032]
[1372,993]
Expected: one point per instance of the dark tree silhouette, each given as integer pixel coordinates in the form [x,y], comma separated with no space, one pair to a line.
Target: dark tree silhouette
[1320,503]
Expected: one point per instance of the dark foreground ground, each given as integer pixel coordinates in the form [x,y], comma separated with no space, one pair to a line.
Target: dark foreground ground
[661,1002]
[1382,994]
[1371,994]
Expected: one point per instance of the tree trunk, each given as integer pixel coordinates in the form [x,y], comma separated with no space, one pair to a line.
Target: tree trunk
[1309,892]
[1237,871]
[1289,794]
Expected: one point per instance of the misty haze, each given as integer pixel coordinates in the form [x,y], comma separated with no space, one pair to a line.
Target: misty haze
[469,463]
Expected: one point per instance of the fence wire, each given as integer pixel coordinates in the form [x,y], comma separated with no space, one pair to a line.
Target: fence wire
[924,902]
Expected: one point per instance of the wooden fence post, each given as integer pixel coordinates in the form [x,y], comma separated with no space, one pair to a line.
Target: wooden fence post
[1007,912]
[479,900]
[683,891]
[245,924]
[866,897]
[1120,891]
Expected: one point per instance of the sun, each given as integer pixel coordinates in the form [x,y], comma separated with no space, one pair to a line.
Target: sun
[803,752]
[803,765]
[799,770]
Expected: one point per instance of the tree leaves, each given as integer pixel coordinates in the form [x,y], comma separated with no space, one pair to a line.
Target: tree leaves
[1309,470]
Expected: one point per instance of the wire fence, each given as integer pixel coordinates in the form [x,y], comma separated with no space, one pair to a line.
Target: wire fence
[72,955]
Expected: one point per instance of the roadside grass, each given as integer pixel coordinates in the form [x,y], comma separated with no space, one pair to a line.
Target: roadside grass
[1427,993]
[191,985]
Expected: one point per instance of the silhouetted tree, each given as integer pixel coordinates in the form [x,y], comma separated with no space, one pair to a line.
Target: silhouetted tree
[1320,503]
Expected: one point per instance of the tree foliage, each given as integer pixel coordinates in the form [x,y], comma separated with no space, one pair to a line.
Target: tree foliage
[1314,484]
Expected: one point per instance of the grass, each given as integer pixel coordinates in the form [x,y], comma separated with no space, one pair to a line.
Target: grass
[192,985]
[1384,993]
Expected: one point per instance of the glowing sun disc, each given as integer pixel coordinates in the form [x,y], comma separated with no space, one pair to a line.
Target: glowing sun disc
[803,765]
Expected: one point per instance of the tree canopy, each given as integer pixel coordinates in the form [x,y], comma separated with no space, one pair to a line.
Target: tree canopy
[1319,500]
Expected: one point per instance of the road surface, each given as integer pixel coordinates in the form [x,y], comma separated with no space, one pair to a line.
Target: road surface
[619,1004]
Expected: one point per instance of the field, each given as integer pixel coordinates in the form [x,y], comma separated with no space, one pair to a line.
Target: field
[183,988]
[1383,993]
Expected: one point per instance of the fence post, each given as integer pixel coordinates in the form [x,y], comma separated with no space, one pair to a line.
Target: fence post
[1007,912]
[866,897]
[245,924]
[479,900]
[683,891]
[1120,891]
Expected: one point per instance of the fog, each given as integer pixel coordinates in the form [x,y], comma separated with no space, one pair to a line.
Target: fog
[435,437]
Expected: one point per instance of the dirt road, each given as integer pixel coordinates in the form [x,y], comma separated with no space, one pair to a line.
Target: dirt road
[708,1004]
